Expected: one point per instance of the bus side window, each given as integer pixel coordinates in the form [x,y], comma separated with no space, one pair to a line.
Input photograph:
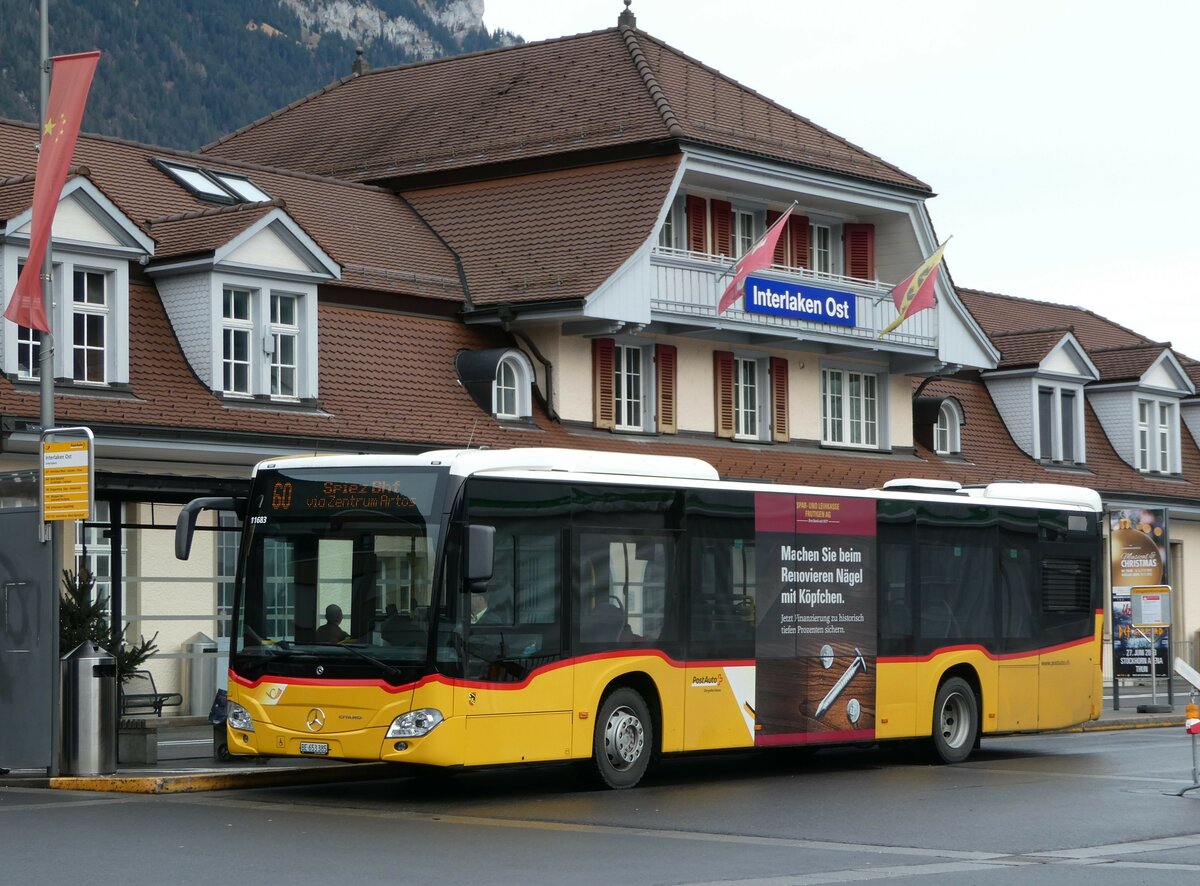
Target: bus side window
[722,599]
[895,599]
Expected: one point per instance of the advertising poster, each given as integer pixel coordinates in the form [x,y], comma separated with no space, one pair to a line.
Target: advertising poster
[1138,557]
[815,640]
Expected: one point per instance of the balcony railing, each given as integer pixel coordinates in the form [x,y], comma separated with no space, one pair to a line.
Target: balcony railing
[688,286]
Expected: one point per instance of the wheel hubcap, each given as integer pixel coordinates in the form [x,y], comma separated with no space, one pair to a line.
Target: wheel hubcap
[624,738]
[954,721]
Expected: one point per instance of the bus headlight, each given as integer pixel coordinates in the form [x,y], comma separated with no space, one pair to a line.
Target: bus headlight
[238,717]
[414,724]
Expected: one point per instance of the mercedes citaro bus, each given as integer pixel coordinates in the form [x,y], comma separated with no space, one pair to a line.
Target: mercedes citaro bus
[467,608]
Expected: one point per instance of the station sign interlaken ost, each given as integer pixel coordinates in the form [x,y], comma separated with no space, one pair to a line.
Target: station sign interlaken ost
[799,301]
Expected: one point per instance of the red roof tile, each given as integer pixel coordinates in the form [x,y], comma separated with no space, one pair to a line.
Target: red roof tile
[379,242]
[598,91]
[550,236]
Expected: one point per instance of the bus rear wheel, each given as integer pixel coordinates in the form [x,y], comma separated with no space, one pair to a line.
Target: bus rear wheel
[955,721]
[623,739]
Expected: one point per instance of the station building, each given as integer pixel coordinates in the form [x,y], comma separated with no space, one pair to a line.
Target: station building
[526,247]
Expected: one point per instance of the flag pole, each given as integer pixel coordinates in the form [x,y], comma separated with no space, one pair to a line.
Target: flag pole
[46,409]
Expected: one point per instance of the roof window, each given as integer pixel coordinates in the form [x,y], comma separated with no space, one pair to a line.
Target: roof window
[214,185]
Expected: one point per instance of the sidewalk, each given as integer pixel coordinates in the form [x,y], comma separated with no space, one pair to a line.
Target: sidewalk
[186,762]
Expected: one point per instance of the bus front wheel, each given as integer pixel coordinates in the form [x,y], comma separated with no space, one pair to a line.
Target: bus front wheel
[623,740]
[955,721]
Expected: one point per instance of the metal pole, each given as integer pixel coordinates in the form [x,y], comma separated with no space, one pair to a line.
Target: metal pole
[46,380]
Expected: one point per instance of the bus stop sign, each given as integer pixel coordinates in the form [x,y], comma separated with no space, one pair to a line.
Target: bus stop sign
[68,474]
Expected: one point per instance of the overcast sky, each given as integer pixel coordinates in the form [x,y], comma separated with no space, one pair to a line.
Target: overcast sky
[1058,135]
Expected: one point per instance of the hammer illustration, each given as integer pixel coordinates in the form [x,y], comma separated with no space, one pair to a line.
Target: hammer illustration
[859,664]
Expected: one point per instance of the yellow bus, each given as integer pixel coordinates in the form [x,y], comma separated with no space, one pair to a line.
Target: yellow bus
[469,608]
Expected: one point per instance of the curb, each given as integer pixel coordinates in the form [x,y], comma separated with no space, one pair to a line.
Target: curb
[208,780]
[1115,725]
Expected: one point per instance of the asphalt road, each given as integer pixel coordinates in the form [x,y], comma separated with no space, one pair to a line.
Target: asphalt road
[1092,808]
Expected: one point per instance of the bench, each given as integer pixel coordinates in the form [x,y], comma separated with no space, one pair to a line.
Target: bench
[139,693]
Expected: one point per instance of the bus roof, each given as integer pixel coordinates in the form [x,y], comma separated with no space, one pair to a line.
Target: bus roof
[651,468]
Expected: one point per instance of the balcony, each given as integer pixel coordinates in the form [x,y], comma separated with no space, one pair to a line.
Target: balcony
[688,285]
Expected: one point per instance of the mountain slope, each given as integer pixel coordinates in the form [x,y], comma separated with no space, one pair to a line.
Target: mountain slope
[182,72]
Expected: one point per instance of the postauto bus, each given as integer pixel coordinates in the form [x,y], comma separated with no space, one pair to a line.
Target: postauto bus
[467,608]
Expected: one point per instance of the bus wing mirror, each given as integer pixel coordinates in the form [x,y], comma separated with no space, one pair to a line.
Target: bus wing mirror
[481,550]
[185,526]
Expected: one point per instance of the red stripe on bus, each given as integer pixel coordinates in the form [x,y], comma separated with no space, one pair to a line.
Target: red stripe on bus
[975,647]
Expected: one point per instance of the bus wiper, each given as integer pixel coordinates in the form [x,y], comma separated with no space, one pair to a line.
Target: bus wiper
[392,673]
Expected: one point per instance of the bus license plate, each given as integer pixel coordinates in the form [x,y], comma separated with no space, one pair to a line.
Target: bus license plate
[314,747]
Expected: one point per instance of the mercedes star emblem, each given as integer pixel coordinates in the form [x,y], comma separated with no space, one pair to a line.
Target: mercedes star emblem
[315,720]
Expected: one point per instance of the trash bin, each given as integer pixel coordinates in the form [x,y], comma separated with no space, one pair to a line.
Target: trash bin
[200,673]
[88,711]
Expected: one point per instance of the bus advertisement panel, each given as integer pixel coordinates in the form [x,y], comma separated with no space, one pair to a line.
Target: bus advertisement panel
[816,636]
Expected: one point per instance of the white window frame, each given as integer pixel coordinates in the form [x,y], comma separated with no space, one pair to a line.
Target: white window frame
[947,432]
[85,310]
[1055,451]
[751,397]
[1157,435]
[629,386]
[513,365]
[742,226]
[820,255]
[264,337]
[845,417]
[282,334]
[233,329]
[116,324]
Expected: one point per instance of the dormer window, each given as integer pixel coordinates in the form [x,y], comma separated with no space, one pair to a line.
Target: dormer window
[1059,420]
[511,391]
[248,315]
[1157,429]
[947,432]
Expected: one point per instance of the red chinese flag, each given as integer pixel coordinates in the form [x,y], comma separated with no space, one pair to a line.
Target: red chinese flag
[71,79]
[759,257]
[916,291]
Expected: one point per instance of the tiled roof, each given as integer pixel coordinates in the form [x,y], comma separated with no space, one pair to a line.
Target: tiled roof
[990,454]
[1026,348]
[1126,363]
[384,377]
[605,90]
[999,314]
[379,242]
[203,232]
[551,236]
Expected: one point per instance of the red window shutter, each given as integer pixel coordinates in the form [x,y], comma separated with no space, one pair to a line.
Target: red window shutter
[697,222]
[798,240]
[722,222]
[604,405]
[860,251]
[779,400]
[665,358]
[780,256]
[723,392]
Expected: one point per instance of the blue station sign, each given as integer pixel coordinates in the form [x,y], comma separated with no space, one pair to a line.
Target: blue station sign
[799,301]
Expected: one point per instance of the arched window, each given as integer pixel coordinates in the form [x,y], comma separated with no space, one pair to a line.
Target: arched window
[511,389]
[947,436]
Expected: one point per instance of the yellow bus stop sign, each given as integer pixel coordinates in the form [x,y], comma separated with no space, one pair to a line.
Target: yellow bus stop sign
[67,474]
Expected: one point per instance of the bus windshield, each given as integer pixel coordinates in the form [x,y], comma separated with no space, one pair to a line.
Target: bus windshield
[337,572]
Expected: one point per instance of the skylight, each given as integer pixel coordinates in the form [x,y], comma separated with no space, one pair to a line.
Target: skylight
[215,185]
